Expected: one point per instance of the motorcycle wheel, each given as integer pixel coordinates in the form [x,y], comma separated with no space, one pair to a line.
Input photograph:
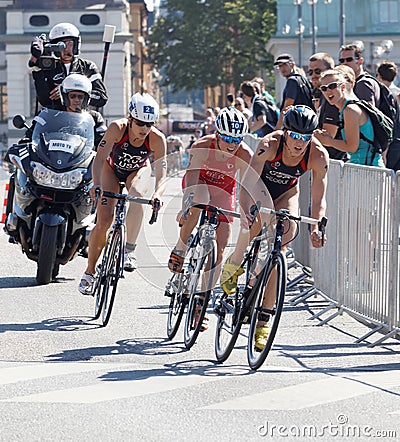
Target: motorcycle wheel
[47,254]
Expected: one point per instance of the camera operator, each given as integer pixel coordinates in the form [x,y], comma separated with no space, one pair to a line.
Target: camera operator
[55,59]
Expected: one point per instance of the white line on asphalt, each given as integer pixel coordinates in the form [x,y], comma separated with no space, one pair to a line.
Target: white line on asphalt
[106,390]
[310,394]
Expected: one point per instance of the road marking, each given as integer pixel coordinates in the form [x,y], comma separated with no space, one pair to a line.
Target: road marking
[310,394]
[114,390]
[26,372]
[112,383]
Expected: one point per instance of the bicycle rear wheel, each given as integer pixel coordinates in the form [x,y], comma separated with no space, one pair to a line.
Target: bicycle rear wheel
[199,297]
[111,272]
[175,289]
[276,267]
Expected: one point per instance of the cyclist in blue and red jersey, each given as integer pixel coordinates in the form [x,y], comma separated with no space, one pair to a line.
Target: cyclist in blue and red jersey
[123,157]
[281,158]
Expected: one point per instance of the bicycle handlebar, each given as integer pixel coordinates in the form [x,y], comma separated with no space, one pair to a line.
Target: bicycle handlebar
[255,209]
[123,196]
[217,210]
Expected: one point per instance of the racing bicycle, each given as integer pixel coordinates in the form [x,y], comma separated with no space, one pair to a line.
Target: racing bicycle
[111,268]
[192,287]
[265,265]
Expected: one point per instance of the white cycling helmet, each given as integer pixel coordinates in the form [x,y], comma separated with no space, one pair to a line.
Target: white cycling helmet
[144,107]
[231,122]
[66,30]
[76,82]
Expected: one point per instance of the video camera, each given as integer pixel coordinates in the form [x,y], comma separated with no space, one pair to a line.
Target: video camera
[48,60]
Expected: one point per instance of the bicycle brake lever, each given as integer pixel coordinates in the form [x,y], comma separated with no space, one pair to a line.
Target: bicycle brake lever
[97,192]
[156,208]
[321,228]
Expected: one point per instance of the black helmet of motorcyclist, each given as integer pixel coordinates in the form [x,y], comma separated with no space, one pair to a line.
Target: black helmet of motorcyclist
[66,31]
[82,86]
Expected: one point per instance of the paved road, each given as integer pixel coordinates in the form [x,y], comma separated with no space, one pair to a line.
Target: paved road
[62,377]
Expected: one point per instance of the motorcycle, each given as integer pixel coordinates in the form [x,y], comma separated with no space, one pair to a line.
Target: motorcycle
[51,207]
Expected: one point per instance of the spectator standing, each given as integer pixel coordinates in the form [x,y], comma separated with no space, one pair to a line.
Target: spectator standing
[230,101]
[263,92]
[47,80]
[209,124]
[328,114]
[386,74]
[241,106]
[366,87]
[263,119]
[333,87]
[298,89]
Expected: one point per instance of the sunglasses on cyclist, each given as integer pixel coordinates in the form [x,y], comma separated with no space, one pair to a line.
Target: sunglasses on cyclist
[230,140]
[314,71]
[297,136]
[347,59]
[142,123]
[330,86]
[78,96]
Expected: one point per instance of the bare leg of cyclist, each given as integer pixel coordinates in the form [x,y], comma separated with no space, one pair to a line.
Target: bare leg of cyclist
[104,218]
[137,185]
[290,201]
[201,196]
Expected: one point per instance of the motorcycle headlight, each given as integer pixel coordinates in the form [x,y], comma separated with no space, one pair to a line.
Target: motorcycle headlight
[58,180]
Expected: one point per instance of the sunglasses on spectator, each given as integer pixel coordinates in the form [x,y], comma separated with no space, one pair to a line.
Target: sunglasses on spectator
[78,96]
[347,59]
[297,136]
[230,140]
[314,71]
[330,86]
[142,123]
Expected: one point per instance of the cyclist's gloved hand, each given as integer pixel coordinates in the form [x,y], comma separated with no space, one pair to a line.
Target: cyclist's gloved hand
[37,47]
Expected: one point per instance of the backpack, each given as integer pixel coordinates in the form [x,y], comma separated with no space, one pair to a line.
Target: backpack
[387,102]
[305,95]
[382,125]
[273,111]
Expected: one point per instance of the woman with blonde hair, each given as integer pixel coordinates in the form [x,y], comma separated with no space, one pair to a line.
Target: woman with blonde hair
[339,92]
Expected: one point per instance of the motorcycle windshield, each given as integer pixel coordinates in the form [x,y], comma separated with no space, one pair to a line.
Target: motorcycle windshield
[63,139]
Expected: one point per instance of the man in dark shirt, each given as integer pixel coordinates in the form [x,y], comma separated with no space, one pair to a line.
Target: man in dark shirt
[48,79]
[328,115]
[298,89]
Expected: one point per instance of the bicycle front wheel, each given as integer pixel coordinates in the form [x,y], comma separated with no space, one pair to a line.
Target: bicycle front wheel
[275,281]
[201,284]
[111,273]
[228,310]
[175,289]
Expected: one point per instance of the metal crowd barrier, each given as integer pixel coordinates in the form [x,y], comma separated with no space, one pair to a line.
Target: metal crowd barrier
[357,271]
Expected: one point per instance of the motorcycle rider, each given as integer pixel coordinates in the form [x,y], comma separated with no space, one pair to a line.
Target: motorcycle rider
[123,157]
[48,79]
[75,96]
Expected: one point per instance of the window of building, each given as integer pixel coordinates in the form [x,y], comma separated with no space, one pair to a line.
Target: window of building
[388,11]
[3,103]
[39,20]
[90,19]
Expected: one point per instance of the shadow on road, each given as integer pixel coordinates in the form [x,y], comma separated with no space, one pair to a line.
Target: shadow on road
[53,324]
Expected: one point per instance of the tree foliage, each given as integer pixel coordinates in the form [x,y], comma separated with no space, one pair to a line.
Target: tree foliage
[201,43]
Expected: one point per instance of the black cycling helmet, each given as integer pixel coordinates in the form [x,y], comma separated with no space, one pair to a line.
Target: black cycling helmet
[301,119]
